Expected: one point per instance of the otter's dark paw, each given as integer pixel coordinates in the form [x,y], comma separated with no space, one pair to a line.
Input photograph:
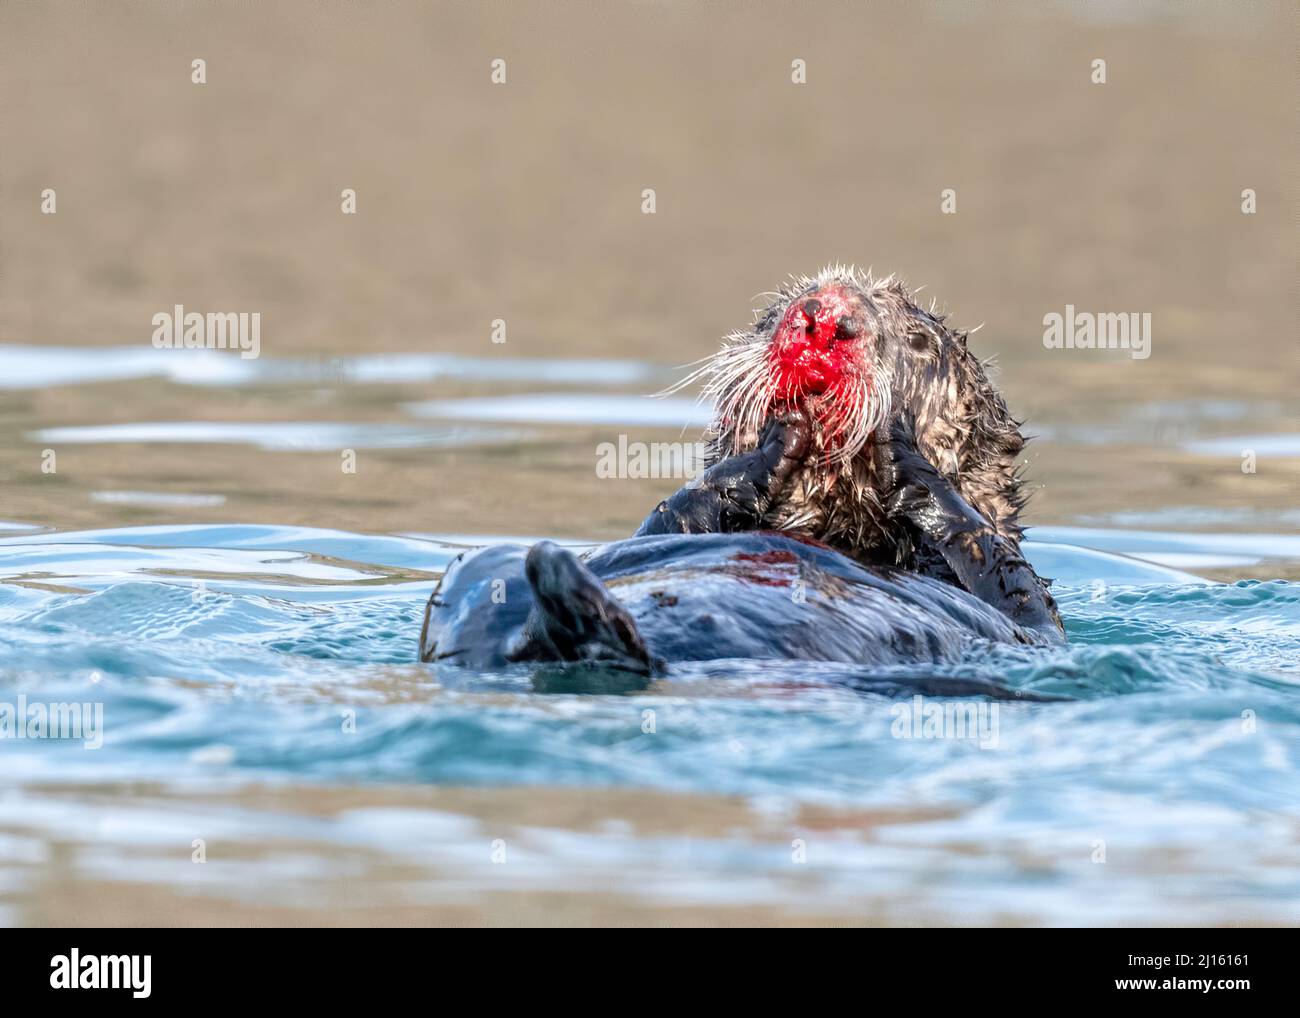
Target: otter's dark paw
[793,430]
[911,477]
[901,450]
[735,494]
[784,444]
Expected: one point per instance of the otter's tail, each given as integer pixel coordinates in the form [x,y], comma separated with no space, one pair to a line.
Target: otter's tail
[576,618]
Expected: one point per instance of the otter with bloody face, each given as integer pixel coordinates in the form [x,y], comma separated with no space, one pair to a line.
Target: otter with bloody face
[857,356]
[860,455]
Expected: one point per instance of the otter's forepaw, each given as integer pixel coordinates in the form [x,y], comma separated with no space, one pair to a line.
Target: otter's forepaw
[735,494]
[911,478]
[902,432]
[784,444]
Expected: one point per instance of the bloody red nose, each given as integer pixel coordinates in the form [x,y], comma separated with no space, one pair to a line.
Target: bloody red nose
[818,323]
[812,344]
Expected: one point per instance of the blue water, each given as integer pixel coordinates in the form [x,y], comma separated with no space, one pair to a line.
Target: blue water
[241,651]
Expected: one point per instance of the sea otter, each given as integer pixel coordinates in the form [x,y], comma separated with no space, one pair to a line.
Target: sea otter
[861,506]
[855,354]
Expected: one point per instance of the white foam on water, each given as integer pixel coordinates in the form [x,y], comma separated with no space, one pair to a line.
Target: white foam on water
[277,436]
[1149,543]
[157,498]
[486,540]
[1281,445]
[1192,560]
[571,408]
[34,367]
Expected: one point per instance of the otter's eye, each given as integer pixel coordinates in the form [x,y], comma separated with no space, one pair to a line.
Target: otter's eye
[921,342]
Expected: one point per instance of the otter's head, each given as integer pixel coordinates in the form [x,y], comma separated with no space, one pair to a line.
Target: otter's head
[852,353]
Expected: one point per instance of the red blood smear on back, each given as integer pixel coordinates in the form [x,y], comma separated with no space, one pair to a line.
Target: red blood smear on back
[770,577]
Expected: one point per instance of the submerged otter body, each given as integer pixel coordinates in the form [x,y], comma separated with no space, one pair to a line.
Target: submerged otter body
[862,506]
[646,602]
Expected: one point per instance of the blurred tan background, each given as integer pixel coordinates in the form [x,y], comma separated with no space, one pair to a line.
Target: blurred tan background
[522,201]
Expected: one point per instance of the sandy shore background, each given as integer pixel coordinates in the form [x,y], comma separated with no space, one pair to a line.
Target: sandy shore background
[522,202]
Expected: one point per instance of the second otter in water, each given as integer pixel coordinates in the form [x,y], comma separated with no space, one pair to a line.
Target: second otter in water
[847,417]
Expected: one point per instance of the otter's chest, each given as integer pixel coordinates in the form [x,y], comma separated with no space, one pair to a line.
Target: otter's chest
[844,512]
[848,514]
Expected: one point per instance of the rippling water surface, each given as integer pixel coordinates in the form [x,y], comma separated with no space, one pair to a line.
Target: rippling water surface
[269,750]
[1162,787]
